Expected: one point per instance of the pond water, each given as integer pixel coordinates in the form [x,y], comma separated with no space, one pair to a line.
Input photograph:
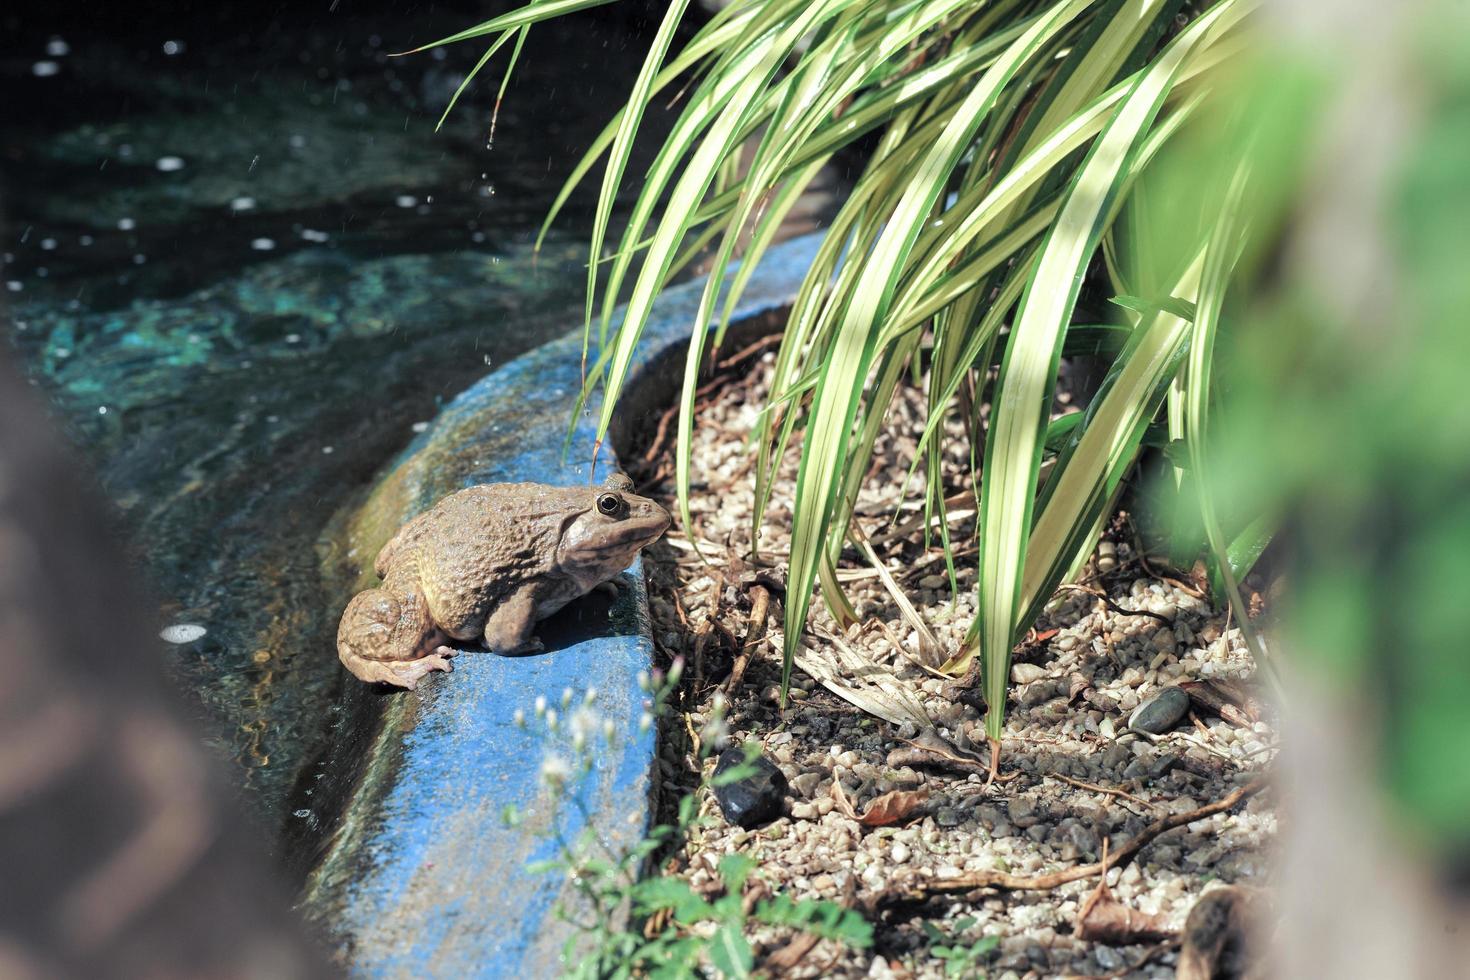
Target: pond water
[244,267]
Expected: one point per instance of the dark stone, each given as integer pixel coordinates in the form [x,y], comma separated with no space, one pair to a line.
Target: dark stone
[757,798]
[1162,766]
[1085,839]
[1161,712]
[1024,812]
[1116,755]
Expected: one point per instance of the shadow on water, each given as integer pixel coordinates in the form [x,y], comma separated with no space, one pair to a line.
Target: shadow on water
[244,268]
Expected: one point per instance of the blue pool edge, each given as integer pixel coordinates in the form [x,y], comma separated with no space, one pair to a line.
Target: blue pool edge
[414,871]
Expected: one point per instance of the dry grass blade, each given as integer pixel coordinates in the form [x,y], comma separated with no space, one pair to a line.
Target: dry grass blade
[856,679]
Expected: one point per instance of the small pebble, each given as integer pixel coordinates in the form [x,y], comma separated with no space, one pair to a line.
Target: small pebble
[1160,713]
[1027,673]
[182,633]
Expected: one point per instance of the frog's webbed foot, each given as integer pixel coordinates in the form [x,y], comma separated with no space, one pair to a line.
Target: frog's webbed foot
[408,673]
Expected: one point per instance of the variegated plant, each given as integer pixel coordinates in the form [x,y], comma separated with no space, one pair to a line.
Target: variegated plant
[1010,136]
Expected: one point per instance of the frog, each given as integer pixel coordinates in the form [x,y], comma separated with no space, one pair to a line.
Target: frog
[488,563]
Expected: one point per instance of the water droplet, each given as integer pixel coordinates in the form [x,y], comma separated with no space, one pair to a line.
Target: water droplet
[57,48]
[262,244]
[327,450]
[85,240]
[169,164]
[48,244]
[172,48]
[182,633]
[101,409]
[126,224]
[293,338]
[312,235]
[297,141]
[45,69]
[420,427]
[405,200]
[303,814]
[242,204]
[139,259]
[14,286]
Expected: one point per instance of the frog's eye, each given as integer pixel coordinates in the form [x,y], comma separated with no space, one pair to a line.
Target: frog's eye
[610,504]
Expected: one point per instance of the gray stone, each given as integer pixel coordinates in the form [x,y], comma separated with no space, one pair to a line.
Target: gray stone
[1084,838]
[1038,693]
[1115,755]
[1023,812]
[1161,712]
[806,784]
[1162,765]
[948,816]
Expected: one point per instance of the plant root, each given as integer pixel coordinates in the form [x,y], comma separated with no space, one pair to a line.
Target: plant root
[914,888]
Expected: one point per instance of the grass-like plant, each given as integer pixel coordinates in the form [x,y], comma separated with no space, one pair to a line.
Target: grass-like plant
[1006,144]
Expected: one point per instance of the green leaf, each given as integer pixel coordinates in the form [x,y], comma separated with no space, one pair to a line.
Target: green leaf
[652,894]
[734,869]
[730,952]
[1181,308]
[1028,370]
[844,374]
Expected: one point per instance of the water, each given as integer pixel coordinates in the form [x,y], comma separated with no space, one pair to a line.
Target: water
[246,270]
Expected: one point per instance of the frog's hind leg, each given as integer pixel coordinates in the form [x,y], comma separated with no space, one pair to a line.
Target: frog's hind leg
[510,626]
[391,639]
[399,673]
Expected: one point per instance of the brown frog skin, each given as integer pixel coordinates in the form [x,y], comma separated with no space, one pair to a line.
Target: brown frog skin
[487,563]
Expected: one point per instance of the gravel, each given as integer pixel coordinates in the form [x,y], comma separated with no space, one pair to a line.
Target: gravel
[1084,670]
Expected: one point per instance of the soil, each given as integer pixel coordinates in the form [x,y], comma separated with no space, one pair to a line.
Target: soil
[1076,776]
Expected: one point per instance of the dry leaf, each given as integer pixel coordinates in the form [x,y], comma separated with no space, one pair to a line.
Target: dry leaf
[855,678]
[893,807]
[1107,920]
[839,797]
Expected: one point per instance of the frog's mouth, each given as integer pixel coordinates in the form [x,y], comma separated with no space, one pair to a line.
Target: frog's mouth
[617,541]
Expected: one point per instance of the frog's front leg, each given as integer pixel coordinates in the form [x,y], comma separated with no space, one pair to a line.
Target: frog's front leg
[387,635]
[508,630]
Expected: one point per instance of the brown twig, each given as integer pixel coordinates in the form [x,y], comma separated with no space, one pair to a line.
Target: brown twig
[930,754]
[702,633]
[769,340]
[1117,608]
[1102,789]
[657,446]
[760,607]
[916,889]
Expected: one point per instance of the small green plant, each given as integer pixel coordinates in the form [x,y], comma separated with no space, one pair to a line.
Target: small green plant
[629,923]
[961,959]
